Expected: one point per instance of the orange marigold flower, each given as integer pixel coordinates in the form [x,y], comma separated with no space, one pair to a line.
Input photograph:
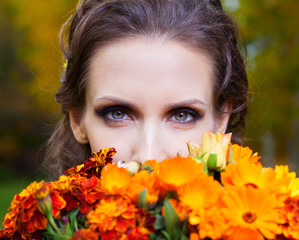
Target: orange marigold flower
[10,234]
[285,179]
[153,164]
[84,234]
[114,217]
[290,212]
[200,193]
[178,171]
[78,192]
[245,234]
[94,165]
[294,186]
[112,212]
[194,236]
[254,209]
[145,224]
[212,224]
[115,180]
[244,173]
[144,180]
[244,153]
[26,217]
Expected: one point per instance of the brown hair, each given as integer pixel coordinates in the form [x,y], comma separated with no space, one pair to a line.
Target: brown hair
[201,24]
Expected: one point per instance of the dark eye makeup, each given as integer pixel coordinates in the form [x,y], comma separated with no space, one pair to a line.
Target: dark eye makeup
[119,114]
[114,113]
[184,115]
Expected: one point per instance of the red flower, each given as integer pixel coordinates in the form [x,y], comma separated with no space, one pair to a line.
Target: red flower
[93,166]
[84,234]
[78,192]
[26,216]
[10,234]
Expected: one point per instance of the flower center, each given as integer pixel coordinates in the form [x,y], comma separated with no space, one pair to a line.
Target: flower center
[251,185]
[249,217]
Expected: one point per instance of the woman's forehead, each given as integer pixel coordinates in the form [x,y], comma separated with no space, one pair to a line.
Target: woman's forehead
[146,68]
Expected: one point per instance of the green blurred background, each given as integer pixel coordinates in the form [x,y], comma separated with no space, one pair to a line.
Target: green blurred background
[30,61]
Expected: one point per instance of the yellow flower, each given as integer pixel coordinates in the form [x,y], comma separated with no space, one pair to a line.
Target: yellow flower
[215,144]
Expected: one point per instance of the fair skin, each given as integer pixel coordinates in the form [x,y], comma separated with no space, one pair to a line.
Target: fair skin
[147,98]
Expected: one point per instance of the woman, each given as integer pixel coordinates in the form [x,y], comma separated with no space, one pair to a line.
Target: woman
[145,77]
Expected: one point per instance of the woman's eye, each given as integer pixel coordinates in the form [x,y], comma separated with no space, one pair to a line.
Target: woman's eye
[114,114]
[117,115]
[184,116]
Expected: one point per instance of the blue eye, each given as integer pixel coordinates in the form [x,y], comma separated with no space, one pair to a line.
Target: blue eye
[117,115]
[114,114]
[184,116]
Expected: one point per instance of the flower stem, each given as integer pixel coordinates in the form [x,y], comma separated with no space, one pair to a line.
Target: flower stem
[52,223]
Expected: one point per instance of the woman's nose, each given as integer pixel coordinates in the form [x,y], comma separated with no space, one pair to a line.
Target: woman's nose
[148,144]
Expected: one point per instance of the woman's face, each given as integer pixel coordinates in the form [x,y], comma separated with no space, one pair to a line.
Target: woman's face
[147,99]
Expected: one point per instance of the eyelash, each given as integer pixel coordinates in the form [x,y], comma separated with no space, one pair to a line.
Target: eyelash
[106,111]
[187,111]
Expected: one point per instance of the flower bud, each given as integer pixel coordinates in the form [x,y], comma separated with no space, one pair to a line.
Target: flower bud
[43,198]
[193,149]
[213,150]
[133,167]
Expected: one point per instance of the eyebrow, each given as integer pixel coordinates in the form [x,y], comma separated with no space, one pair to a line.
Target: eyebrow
[116,100]
[187,102]
[133,106]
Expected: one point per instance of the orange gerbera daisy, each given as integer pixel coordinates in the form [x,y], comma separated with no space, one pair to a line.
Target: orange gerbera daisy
[254,209]
[178,171]
[115,180]
[93,166]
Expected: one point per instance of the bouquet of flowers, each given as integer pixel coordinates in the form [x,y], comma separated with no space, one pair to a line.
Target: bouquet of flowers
[220,191]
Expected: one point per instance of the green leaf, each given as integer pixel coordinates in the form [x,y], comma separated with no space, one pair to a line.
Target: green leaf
[171,194]
[172,220]
[160,223]
[142,199]
[166,235]
[230,155]
[197,159]
[212,161]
